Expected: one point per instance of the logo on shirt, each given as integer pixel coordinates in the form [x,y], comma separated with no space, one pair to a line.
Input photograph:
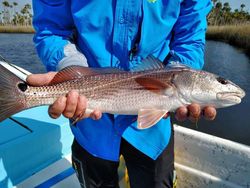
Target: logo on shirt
[152,1]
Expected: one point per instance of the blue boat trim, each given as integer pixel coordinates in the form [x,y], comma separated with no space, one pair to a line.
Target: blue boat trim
[57,178]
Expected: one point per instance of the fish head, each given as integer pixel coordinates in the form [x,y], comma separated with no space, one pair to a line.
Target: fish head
[206,88]
[228,93]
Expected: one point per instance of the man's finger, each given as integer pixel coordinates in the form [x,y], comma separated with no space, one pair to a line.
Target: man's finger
[40,79]
[209,113]
[56,109]
[96,114]
[81,107]
[71,104]
[181,113]
[194,112]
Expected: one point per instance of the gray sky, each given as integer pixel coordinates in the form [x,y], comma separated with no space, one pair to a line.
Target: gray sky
[233,3]
[21,3]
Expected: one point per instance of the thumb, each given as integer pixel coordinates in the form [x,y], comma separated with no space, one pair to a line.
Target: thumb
[40,79]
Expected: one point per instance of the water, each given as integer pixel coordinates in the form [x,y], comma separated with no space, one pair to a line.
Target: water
[20,50]
[232,123]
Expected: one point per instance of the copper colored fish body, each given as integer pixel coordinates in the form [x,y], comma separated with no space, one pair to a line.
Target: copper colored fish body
[149,93]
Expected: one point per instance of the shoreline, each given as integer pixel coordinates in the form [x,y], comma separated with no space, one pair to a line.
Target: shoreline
[235,35]
[16,29]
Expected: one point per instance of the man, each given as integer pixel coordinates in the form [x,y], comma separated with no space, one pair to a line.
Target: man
[119,34]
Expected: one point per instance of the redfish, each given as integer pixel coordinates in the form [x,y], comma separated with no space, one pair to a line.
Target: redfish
[149,92]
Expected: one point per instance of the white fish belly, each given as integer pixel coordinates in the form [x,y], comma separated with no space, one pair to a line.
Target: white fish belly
[128,103]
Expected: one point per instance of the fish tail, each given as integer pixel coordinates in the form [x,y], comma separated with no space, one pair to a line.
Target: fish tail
[12,97]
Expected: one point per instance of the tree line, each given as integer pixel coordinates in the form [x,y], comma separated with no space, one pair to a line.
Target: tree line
[222,14]
[10,16]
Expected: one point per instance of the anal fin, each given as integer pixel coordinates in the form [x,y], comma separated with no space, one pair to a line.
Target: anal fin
[149,117]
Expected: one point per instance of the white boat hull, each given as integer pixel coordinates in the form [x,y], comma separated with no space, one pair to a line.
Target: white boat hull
[204,160]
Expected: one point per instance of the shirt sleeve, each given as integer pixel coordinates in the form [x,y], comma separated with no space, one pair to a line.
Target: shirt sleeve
[188,41]
[54,28]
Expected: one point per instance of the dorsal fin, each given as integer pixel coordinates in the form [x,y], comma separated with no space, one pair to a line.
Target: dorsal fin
[77,72]
[176,65]
[71,73]
[149,63]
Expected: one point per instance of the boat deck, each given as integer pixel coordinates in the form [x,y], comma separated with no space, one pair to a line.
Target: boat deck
[58,175]
[61,175]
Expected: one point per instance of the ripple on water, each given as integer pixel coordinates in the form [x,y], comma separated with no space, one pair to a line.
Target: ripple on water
[19,49]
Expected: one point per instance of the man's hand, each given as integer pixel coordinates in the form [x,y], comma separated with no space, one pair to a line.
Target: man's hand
[193,112]
[72,105]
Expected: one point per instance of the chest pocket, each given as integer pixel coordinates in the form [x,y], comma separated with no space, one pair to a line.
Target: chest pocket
[159,17]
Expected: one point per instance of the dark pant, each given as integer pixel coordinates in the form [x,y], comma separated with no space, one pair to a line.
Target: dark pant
[144,172]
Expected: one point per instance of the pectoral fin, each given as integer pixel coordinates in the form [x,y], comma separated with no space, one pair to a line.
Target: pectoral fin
[149,117]
[155,85]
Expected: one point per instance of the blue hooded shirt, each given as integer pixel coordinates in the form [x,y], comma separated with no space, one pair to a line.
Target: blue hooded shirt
[119,34]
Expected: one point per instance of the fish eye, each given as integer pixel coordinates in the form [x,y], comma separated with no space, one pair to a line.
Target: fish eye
[222,80]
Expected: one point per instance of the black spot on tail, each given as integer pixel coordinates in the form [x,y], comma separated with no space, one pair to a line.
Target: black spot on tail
[22,86]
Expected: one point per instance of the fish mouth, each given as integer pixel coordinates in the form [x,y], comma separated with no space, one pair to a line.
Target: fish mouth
[231,97]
